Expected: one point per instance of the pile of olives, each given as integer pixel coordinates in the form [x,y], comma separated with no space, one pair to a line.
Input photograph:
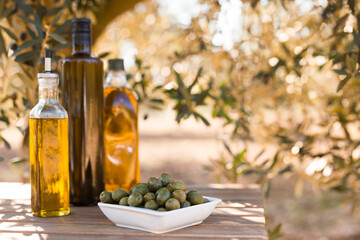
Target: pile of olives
[161,194]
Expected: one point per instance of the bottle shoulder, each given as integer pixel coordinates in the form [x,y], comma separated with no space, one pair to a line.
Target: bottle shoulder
[124,93]
[82,58]
[48,110]
[119,90]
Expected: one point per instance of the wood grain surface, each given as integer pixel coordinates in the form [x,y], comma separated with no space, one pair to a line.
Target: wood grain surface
[239,216]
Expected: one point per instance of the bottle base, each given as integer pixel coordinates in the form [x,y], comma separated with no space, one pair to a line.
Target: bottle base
[84,204]
[51,213]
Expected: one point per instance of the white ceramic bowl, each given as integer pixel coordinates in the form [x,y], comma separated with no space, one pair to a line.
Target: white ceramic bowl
[158,222]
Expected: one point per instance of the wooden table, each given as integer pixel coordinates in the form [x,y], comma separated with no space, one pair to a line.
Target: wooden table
[239,216]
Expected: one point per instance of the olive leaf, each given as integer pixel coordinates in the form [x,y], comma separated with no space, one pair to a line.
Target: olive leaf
[157,100]
[31,32]
[23,6]
[196,78]
[102,55]
[25,103]
[205,121]
[356,36]
[58,38]
[9,33]
[227,148]
[26,56]
[267,187]
[38,26]
[55,20]
[7,12]
[276,232]
[7,144]
[17,160]
[343,82]
[341,72]
[26,45]
[25,19]
[285,169]
[4,118]
[63,26]
[53,11]
[276,158]
[2,45]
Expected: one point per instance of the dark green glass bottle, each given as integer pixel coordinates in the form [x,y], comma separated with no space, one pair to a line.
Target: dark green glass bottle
[82,97]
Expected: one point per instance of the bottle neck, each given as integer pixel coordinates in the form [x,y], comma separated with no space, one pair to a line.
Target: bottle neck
[48,94]
[81,43]
[116,78]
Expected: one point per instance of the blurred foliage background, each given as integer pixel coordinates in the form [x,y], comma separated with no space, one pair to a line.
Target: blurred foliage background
[283,75]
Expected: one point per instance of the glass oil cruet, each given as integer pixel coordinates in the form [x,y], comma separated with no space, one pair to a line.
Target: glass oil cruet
[82,97]
[49,149]
[122,169]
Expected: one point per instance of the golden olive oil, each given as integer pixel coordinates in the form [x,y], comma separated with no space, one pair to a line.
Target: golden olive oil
[122,169]
[49,166]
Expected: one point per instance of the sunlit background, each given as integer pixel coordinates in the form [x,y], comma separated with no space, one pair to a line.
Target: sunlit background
[276,80]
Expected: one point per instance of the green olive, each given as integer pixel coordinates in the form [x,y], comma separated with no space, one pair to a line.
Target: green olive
[162,195]
[172,204]
[185,204]
[192,191]
[176,185]
[151,204]
[141,188]
[154,184]
[118,194]
[206,200]
[195,198]
[165,179]
[124,201]
[129,192]
[161,209]
[180,195]
[135,199]
[160,190]
[105,197]
[149,196]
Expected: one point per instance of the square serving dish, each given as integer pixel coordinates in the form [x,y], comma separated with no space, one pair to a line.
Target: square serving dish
[158,222]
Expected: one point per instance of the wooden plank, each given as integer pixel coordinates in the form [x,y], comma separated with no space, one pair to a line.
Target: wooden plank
[96,211]
[239,211]
[231,192]
[101,219]
[42,236]
[14,207]
[107,230]
[228,203]
[228,186]
[24,203]
[239,216]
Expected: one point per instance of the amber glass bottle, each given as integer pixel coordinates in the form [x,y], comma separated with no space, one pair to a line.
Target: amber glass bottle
[49,153]
[82,97]
[122,168]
